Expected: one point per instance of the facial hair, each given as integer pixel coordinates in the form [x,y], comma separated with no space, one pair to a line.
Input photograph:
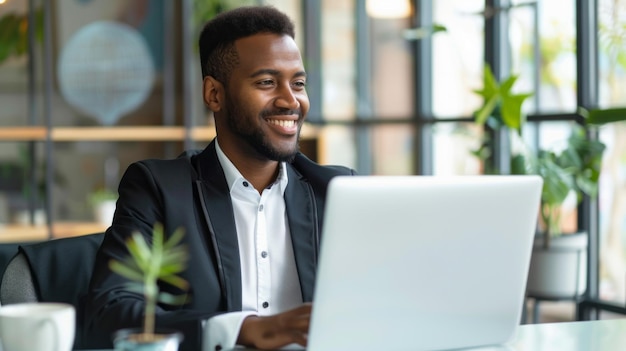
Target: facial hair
[255,137]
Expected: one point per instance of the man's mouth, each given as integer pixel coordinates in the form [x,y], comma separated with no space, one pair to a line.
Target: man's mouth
[282,122]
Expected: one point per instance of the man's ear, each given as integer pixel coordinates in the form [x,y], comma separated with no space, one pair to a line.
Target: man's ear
[213,93]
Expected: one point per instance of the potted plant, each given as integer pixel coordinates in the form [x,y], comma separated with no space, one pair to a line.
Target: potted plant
[146,265]
[558,262]
[103,203]
[558,267]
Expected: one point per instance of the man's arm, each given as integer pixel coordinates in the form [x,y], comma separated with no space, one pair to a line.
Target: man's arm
[109,305]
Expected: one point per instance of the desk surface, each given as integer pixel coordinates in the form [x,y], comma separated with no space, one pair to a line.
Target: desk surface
[602,335]
[605,335]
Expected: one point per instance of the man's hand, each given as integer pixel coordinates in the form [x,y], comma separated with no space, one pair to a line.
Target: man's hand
[276,331]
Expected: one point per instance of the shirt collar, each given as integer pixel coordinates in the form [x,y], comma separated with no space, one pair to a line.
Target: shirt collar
[232,174]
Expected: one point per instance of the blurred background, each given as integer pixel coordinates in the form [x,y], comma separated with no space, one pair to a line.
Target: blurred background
[89,86]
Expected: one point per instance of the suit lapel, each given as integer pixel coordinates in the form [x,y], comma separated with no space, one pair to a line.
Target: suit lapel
[218,213]
[302,217]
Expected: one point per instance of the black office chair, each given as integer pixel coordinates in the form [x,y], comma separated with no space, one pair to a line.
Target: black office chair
[58,270]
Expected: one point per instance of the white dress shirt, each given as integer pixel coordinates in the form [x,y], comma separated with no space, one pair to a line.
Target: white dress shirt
[269,278]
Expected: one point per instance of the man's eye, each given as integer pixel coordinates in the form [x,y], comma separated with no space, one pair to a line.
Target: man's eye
[266,82]
[300,84]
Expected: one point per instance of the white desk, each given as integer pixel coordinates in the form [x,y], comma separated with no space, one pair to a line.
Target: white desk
[603,335]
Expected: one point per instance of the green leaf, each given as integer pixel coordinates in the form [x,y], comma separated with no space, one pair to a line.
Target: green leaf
[603,116]
[439,28]
[174,239]
[505,88]
[171,299]
[490,84]
[485,111]
[557,182]
[125,271]
[512,111]
[519,165]
[139,250]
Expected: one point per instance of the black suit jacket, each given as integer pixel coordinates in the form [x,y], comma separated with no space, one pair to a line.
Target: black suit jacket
[191,192]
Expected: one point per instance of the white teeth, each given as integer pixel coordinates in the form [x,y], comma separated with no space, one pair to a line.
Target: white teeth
[282,123]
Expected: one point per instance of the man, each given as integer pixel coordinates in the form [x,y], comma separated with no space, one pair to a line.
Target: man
[250,203]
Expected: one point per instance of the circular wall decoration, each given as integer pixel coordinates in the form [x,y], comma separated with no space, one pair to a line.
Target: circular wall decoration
[105,70]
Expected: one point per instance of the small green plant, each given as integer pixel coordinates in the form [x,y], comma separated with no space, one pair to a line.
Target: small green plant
[149,264]
[14,33]
[101,195]
[501,109]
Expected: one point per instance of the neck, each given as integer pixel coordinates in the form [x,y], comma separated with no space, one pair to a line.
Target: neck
[260,173]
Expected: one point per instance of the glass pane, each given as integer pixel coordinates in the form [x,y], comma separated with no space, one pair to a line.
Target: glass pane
[391,76]
[84,168]
[612,202]
[612,45]
[453,144]
[392,149]
[552,75]
[22,183]
[338,60]
[553,136]
[557,28]
[337,146]
[20,72]
[109,62]
[457,57]
[522,30]
[612,198]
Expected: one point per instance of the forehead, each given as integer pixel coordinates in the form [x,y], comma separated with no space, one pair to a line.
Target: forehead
[268,51]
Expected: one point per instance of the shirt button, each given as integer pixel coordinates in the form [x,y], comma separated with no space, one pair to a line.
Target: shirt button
[264,254]
[245,184]
[261,208]
[218,347]
[266,304]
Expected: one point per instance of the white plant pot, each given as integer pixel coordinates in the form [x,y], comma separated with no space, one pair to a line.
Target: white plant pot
[559,272]
[126,340]
[104,211]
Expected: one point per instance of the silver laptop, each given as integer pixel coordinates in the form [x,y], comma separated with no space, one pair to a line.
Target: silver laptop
[423,263]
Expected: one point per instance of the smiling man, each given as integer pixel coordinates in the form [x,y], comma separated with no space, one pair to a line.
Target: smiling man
[251,204]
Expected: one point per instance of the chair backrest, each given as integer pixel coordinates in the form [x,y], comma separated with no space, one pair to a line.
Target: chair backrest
[17,283]
[58,270]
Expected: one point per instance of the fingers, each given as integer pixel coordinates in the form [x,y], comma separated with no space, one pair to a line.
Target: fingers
[276,331]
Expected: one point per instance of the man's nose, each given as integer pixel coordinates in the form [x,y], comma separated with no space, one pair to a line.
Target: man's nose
[287,99]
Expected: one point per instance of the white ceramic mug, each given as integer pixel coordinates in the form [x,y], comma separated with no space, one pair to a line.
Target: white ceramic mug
[37,326]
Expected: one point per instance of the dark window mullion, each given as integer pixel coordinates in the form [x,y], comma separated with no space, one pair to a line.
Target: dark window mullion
[423,67]
[497,56]
[364,99]
[587,96]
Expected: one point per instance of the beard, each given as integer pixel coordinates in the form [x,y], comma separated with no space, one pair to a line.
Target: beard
[256,137]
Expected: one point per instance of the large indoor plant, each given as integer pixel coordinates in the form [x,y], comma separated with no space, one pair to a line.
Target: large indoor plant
[146,265]
[558,262]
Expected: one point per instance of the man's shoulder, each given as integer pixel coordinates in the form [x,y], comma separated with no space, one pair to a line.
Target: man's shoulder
[310,169]
[184,158]
[177,168]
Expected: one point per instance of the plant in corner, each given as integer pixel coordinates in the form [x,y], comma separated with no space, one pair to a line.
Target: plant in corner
[145,266]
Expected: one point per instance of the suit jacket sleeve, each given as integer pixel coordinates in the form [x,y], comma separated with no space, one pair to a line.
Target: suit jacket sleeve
[109,306]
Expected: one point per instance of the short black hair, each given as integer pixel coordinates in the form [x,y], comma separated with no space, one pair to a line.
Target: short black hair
[218,56]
